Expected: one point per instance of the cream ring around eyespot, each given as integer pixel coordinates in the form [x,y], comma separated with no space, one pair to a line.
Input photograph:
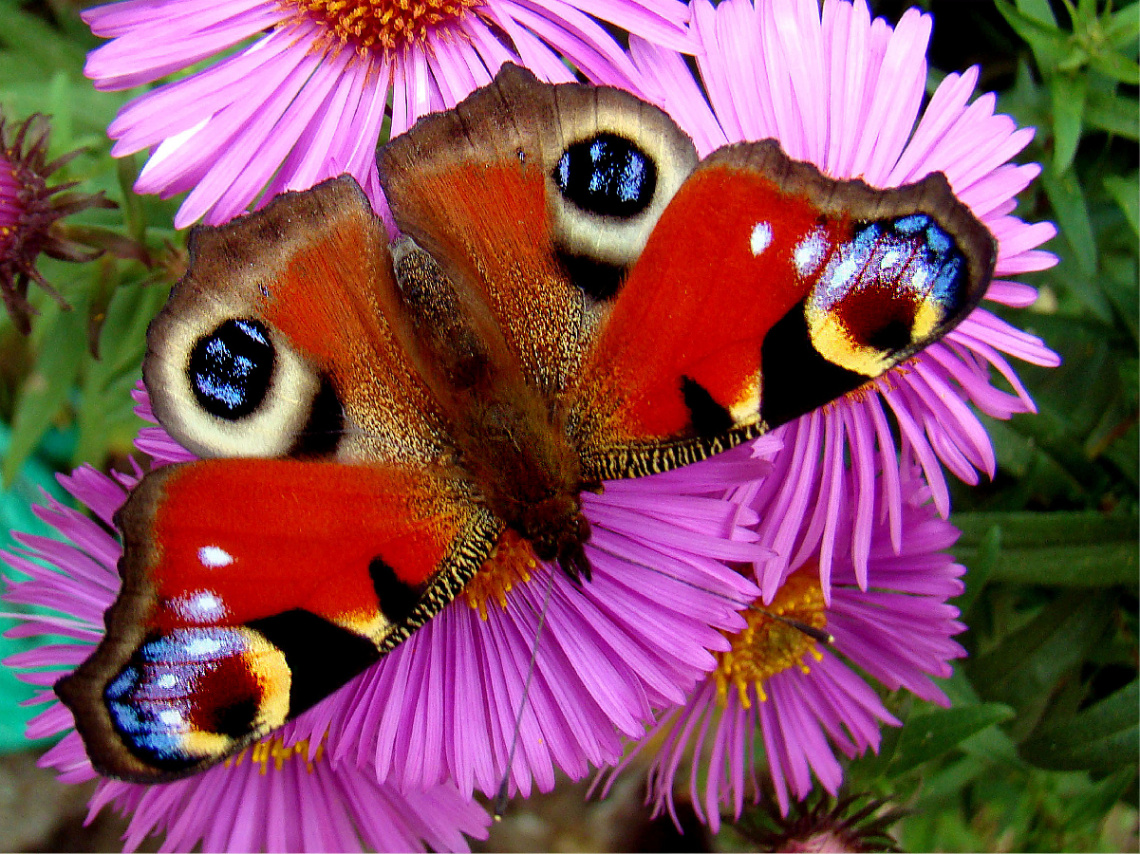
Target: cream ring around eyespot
[269,431]
[609,239]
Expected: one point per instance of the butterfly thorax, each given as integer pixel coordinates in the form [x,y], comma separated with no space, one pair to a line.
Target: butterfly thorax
[512,443]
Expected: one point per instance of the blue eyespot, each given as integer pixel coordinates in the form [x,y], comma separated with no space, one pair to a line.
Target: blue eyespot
[230,369]
[606,175]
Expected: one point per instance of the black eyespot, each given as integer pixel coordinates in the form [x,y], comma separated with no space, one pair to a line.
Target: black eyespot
[607,175]
[230,368]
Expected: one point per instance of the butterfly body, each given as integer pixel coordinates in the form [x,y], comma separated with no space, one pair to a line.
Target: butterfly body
[572,297]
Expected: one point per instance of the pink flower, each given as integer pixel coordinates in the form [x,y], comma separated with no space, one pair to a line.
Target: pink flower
[805,702]
[845,92]
[308,97]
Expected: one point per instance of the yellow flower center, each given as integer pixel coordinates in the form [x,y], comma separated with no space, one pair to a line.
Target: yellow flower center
[769,645]
[384,25]
[510,564]
[271,752]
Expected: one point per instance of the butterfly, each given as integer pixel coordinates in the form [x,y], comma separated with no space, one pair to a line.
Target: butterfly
[573,296]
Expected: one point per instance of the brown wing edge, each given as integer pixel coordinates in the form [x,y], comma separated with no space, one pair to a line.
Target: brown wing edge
[82,691]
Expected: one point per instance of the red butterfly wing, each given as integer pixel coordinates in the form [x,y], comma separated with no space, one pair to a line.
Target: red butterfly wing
[765,291]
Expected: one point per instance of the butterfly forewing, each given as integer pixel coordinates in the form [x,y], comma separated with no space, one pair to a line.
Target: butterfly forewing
[256,585]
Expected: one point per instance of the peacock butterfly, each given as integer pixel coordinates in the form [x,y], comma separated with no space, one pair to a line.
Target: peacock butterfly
[573,297]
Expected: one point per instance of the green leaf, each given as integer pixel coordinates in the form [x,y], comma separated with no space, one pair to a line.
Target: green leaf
[1068,201]
[1078,549]
[45,388]
[1112,113]
[928,735]
[1102,738]
[1049,44]
[1025,667]
[1068,91]
[37,43]
[983,559]
[1126,192]
[1122,27]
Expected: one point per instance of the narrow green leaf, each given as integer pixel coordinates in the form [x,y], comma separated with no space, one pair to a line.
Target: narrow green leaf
[1027,529]
[1116,66]
[1068,91]
[1025,667]
[1112,113]
[1123,26]
[1068,201]
[37,42]
[1093,805]
[45,388]
[1078,549]
[1102,739]
[1035,24]
[1126,192]
[983,560]
[928,735]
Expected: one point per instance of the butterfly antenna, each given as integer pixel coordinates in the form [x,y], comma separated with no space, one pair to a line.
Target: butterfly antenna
[502,796]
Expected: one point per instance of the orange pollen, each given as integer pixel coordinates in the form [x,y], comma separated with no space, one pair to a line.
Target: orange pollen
[768,646]
[510,564]
[880,384]
[272,753]
[382,25]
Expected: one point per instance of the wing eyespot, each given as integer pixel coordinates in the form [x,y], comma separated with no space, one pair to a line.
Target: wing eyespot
[610,182]
[885,293]
[224,383]
[606,175]
[231,368]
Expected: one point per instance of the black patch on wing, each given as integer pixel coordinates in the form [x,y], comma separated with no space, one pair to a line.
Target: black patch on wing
[893,336]
[795,377]
[325,426]
[321,656]
[397,599]
[596,279]
[709,417]
[230,368]
[607,175]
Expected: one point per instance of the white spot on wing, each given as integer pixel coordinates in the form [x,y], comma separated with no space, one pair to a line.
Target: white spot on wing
[213,557]
[761,237]
[201,607]
[810,252]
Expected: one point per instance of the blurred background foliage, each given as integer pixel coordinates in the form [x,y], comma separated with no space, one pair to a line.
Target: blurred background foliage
[1039,751]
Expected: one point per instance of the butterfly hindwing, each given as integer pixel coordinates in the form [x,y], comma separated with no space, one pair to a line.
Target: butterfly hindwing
[220,635]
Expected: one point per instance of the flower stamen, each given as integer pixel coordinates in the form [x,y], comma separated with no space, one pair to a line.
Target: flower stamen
[382,25]
[772,642]
[274,749]
[510,564]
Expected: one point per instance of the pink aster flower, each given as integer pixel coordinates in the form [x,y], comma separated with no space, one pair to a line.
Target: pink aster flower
[804,702]
[285,794]
[311,84]
[845,92]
